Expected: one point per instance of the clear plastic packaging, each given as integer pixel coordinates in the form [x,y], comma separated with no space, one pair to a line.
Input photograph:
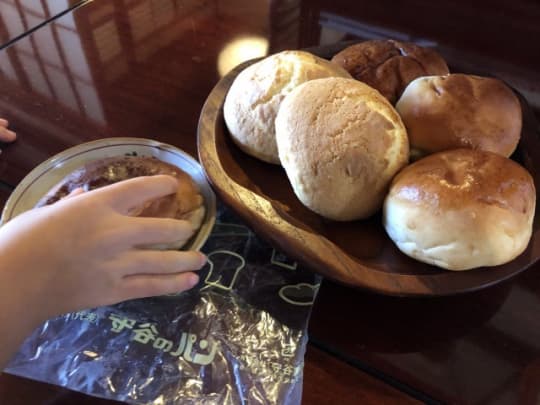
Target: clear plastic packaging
[239,337]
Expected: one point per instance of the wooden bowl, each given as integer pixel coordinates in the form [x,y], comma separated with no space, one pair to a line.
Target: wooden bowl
[357,253]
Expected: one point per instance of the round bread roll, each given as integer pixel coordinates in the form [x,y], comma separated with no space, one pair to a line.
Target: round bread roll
[187,204]
[460,111]
[461,209]
[388,65]
[340,143]
[254,98]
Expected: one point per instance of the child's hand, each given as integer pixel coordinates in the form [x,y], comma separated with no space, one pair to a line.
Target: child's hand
[83,251]
[5,134]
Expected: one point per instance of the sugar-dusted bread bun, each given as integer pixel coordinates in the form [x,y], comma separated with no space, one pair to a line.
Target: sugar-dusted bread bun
[460,111]
[388,65]
[461,209]
[340,143]
[254,98]
[186,204]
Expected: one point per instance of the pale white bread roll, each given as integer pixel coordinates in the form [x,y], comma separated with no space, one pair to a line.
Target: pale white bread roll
[460,111]
[254,98]
[340,142]
[186,204]
[461,209]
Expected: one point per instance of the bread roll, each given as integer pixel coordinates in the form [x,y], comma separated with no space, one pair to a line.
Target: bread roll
[254,98]
[340,143]
[187,204]
[388,65]
[461,209]
[460,111]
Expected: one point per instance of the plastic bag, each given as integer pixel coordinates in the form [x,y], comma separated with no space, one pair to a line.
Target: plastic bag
[239,337]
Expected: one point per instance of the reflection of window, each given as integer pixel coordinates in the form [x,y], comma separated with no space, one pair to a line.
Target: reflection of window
[58,6]
[47,47]
[20,16]
[163,12]
[73,52]
[33,7]
[107,41]
[34,74]
[92,105]
[12,20]
[140,18]
[6,67]
[62,87]
[149,15]
[52,59]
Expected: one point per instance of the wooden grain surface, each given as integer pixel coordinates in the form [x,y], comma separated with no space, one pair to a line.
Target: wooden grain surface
[327,377]
[475,348]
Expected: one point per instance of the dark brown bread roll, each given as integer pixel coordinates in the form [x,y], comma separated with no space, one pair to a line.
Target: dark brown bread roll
[388,65]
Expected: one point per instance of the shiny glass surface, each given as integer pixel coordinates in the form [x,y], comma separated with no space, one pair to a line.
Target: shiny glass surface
[18,17]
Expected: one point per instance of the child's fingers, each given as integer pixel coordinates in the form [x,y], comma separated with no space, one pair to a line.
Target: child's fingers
[6,135]
[141,286]
[129,194]
[134,232]
[146,262]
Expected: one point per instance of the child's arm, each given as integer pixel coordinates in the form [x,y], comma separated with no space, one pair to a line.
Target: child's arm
[83,252]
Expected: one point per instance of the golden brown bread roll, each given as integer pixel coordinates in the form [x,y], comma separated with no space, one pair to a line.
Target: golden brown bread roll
[340,143]
[388,65]
[186,204]
[461,209]
[460,111]
[254,98]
